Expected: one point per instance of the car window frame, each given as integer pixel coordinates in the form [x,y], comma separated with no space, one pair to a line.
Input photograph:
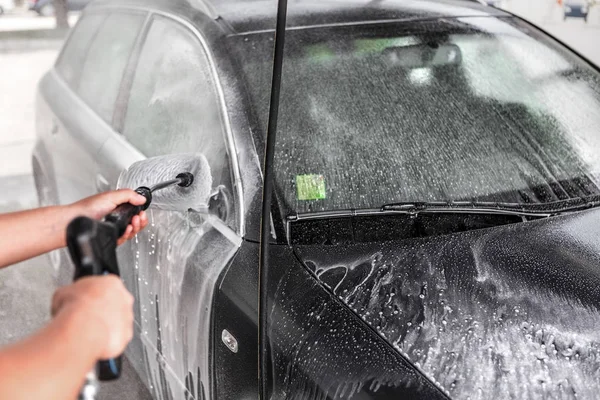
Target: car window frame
[106,13]
[127,82]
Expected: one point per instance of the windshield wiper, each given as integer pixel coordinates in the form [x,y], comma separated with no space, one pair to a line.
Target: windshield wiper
[523,209]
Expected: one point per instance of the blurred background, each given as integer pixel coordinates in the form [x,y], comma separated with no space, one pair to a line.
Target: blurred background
[31,34]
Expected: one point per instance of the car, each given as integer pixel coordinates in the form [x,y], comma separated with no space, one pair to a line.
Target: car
[6,5]
[433,226]
[576,9]
[46,7]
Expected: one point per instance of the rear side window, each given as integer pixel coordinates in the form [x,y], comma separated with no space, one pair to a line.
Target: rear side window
[173,106]
[72,58]
[106,60]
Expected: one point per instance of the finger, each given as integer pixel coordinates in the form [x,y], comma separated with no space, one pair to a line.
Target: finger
[130,300]
[126,236]
[135,222]
[143,219]
[128,232]
[126,196]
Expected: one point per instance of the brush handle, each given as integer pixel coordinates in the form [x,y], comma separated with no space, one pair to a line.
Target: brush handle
[122,215]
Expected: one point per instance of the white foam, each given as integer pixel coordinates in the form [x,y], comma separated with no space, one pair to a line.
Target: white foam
[159,169]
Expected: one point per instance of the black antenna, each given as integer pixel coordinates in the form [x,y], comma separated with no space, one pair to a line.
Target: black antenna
[265,224]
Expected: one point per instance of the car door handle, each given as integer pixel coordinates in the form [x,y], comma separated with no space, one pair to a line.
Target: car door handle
[102,184]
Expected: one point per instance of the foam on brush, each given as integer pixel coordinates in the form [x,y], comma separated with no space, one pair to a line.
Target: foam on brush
[158,169]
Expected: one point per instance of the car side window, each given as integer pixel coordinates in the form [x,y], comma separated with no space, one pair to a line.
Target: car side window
[71,60]
[173,105]
[106,60]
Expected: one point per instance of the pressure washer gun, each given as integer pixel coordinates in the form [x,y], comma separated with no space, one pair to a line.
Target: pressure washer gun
[92,245]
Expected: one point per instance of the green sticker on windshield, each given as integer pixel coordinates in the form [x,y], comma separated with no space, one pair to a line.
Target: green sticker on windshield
[310,187]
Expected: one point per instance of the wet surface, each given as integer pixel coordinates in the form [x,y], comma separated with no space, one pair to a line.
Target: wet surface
[507,312]
[366,125]
[321,351]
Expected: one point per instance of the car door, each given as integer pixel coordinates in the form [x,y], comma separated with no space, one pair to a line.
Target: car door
[90,72]
[171,107]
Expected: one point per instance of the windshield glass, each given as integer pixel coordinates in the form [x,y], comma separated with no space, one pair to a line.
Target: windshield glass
[478,109]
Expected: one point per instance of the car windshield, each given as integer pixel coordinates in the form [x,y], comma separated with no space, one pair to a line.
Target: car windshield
[475,109]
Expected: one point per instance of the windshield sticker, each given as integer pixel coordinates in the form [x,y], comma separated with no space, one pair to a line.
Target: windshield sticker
[319,52]
[310,187]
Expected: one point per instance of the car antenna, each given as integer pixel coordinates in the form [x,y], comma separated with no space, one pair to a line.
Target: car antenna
[267,196]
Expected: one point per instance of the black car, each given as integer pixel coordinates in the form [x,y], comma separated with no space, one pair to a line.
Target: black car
[46,7]
[433,231]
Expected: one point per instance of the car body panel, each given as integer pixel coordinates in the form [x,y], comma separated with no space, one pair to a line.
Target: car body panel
[77,136]
[176,265]
[505,312]
[319,349]
[235,310]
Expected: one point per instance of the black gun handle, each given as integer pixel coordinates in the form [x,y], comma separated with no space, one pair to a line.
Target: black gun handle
[92,246]
[122,215]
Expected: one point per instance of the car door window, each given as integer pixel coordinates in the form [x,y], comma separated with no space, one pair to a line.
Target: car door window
[173,106]
[106,60]
[71,60]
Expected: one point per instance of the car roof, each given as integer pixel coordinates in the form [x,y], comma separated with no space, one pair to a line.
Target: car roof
[245,16]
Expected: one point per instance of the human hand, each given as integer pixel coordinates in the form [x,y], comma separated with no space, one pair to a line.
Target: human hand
[104,203]
[101,308]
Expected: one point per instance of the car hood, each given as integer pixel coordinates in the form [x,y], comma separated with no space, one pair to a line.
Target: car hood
[506,312]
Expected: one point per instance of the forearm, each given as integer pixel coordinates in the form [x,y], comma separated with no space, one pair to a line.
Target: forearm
[27,234]
[51,364]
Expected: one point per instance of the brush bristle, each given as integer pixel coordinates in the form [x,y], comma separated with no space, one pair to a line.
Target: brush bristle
[194,195]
